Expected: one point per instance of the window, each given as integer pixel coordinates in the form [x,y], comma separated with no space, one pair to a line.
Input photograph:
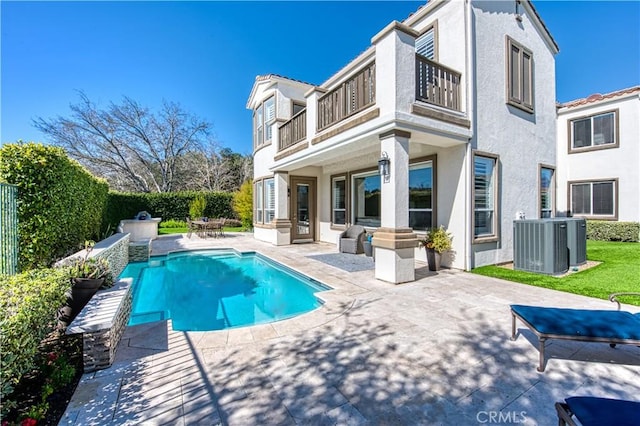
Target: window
[366,199]
[426,43]
[484,196]
[265,200]
[547,193]
[269,200]
[269,118]
[258,125]
[519,76]
[597,198]
[263,121]
[421,196]
[339,200]
[597,131]
[259,202]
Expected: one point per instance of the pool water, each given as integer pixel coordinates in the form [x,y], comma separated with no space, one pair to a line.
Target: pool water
[218,289]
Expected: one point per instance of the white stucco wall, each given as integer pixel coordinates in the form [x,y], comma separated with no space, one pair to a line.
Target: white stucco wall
[522,140]
[622,162]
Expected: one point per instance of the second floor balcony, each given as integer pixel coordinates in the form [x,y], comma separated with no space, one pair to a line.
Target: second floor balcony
[435,84]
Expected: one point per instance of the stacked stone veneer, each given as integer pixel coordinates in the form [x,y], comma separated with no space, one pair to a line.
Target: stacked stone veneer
[102,323]
[116,250]
[139,251]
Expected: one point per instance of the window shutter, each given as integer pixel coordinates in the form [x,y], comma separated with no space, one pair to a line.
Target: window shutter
[425,44]
[271,195]
[269,110]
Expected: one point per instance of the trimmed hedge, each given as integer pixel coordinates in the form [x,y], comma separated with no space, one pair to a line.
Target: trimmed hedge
[167,205]
[604,230]
[28,305]
[60,204]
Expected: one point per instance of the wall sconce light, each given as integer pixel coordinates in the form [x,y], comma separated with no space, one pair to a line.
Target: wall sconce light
[383,166]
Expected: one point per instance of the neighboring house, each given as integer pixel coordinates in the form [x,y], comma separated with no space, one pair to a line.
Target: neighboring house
[459,98]
[599,156]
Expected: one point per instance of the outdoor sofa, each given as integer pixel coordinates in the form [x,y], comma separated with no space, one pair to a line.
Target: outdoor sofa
[585,325]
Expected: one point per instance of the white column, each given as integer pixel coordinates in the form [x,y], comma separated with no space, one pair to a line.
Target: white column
[281,222]
[394,242]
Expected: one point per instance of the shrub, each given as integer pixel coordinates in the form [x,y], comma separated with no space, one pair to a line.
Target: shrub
[197,206]
[60,204]
[28,305]
[243,204]
[172,223]
[167,205]
[604,230]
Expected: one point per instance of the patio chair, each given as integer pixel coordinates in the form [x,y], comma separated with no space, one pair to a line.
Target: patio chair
[584,325]
[592,411]
[351,240]
[191,228]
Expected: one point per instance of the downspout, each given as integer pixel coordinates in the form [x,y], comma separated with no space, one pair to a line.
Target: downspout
[470,67]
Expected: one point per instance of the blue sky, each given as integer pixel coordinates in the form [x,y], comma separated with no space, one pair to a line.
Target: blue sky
[205,55]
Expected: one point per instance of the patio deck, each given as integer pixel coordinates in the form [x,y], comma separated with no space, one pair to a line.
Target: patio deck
[434,351]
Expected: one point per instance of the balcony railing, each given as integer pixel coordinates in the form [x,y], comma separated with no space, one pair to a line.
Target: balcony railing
[437,84]
[350,97]
[293,131]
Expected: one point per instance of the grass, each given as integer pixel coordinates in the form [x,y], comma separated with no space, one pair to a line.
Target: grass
[618,272]
[184,230]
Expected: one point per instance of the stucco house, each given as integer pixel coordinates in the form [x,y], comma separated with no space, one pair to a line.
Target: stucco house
[458,100]
[598,156]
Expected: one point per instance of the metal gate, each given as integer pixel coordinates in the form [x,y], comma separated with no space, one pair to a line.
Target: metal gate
[8,229]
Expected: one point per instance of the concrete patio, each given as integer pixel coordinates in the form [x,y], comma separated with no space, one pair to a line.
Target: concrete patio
[434,351]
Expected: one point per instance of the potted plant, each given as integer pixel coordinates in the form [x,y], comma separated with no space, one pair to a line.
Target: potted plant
[436,242]
[87,275]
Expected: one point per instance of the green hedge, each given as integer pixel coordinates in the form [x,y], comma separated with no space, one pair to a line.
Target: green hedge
[60,204]
[28,305]
[604,230]
[167,205]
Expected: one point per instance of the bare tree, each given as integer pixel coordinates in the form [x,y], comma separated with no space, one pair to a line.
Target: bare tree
[133,148]
[215,169]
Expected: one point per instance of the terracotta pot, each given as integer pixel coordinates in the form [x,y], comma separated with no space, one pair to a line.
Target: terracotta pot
[82,290]
[433,259]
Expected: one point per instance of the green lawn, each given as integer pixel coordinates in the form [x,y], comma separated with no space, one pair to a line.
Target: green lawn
[618,272]
[165,231]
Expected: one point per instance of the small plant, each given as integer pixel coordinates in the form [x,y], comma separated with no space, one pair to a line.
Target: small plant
[197,206]
[89,267]
[438,239]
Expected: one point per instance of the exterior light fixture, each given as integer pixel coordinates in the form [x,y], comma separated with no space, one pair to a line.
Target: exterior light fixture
[383,165]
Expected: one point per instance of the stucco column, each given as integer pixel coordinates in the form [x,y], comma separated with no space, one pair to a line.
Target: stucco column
[281,221]
[394,242]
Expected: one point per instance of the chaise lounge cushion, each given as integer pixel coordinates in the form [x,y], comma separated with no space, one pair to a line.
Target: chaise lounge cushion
[593,411]
[351,240]
[581,323]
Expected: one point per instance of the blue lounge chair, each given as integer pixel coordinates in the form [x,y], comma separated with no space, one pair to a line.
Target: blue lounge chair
[586,325]
[592,411]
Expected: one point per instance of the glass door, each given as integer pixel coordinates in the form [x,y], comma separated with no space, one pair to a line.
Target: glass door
[303,209]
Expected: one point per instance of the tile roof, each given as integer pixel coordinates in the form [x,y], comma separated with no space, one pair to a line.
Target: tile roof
[599,97]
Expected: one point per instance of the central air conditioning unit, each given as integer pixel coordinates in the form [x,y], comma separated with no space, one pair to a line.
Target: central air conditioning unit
[576,240]
[540,245]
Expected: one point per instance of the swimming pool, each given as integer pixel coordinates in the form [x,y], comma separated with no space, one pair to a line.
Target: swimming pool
[218,289]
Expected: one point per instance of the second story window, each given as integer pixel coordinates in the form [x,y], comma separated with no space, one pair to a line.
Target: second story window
[519,76]
[264,119]
[426,43]
[597,131]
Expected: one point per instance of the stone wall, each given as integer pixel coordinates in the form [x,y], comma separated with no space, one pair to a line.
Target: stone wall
[116,250]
